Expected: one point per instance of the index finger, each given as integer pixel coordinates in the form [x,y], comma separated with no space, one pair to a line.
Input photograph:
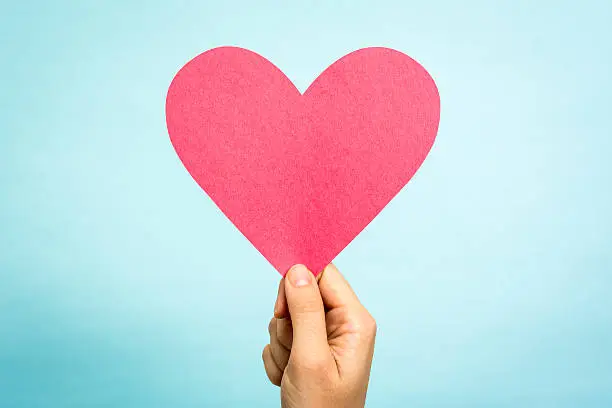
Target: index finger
[335,290]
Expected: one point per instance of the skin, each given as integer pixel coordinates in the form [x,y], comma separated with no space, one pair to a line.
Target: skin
[321,342]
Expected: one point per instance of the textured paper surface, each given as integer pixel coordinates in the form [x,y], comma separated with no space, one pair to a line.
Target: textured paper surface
[301,175]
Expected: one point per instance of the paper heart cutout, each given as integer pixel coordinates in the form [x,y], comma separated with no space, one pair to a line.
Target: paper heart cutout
[302,175]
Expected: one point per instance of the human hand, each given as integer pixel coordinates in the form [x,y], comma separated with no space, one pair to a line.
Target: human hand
[321,342]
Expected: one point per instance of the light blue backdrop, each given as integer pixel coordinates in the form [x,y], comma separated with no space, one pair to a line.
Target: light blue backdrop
[490,275]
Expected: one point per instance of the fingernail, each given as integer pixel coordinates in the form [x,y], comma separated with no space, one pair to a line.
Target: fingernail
[299,276]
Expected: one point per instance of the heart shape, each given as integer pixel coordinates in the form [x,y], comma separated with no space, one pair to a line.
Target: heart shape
[302,175]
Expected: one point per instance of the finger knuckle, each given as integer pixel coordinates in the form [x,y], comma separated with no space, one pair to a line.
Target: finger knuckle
[285,333]
[314,364]
[369,324]
[272,326]
[274,377]
[273,374]
[309,307]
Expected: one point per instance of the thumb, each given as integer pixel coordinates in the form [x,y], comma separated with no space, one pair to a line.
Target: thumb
[307,314]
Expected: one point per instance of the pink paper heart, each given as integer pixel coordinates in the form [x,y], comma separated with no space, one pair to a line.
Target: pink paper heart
[301,175]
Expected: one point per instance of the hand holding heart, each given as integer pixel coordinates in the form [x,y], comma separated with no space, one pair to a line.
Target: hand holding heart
[301,176]
[321,342]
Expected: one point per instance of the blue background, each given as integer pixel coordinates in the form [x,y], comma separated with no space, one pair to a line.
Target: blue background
[490,275]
